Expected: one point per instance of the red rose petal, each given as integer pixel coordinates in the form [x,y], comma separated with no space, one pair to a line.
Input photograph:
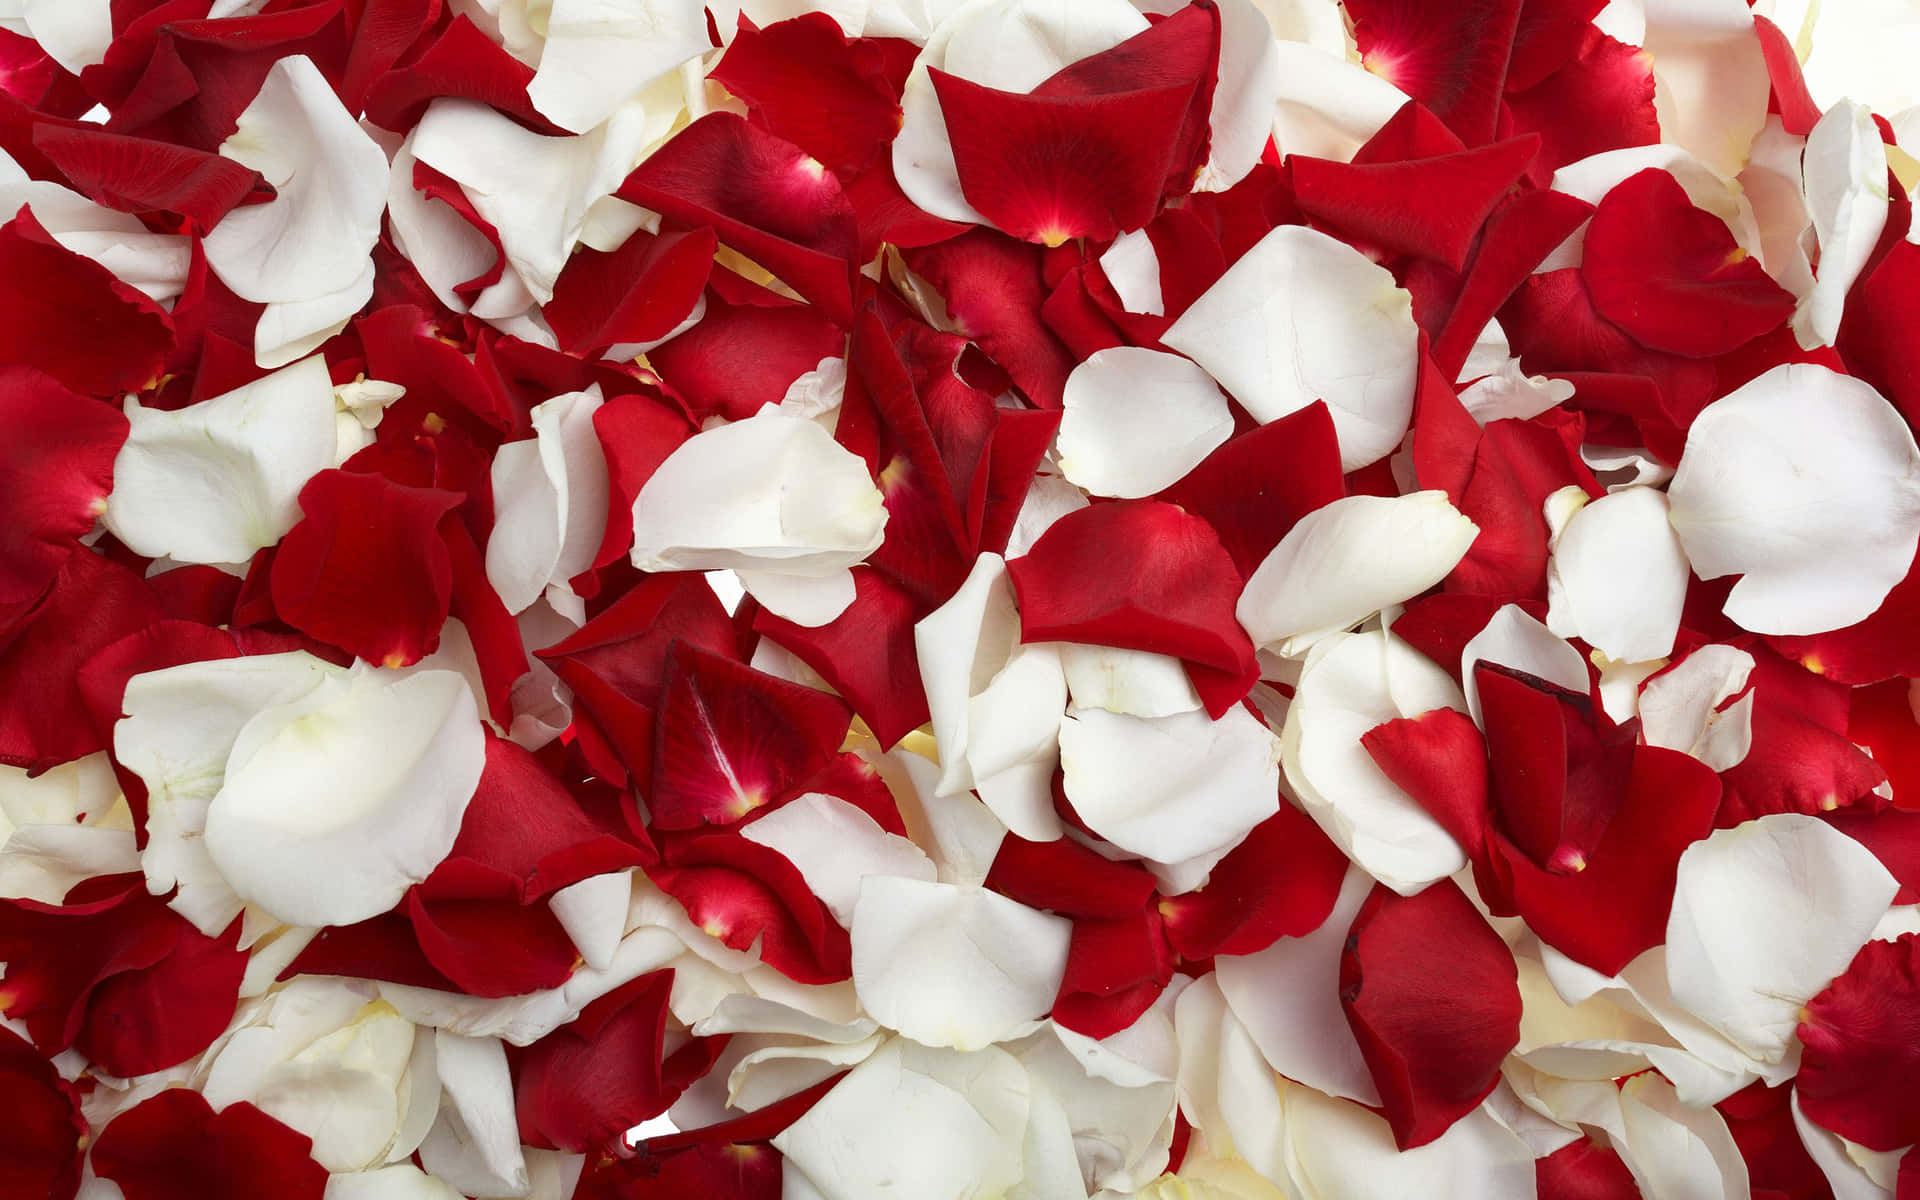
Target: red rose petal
[1584,1170]
[1861,1048]
[173,1146]
[1450,57]
[72,318]
[56,469]
[43,1142]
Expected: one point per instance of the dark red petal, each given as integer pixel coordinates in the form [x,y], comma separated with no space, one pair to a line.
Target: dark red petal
[1802,759]
[1875,335]
[385,948]
[583,1086]
[175,1147]
[994,290]
[1440,624]
[1861,1039]
[1066,877]
[1440,759]
[43,717]
[141,175]
[151,1018]
[1116,968]
[1881,719]
[731,739]
[1296,459]
[1556,781]
[72,318]
[744,893]
[806,81]
[640,292]
[740,357]
[524,826]
[1760,1118]
[1671,274]
[1549,33]
[1280,882]
[1140,575]
[1450,57]
[1618,905]
[1519,237]
[1429,207]
[718,1170]
[496,637]
[42,1140]
[1600,101]
[764,196]
[462,63]
[366,570]
[1516,466]
[1584,1170]
[56,469]
[1433,997]
[489,946]
[867,653]
[637,433]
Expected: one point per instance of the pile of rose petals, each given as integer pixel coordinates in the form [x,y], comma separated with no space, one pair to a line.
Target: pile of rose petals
[959,600]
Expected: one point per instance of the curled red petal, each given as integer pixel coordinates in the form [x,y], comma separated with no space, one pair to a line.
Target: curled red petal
[1440,759]
[70,317]
[1433,997]
[638,293]
[866,653]
[994,290]
[1802,759]
[746,894]
[142,175]
[1066,877]
[56,470]
[1861,1048]
[1671,274]
[366,569]
[1116,969]
[461,63]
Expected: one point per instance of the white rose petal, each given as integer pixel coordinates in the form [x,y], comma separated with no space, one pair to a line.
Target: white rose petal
[1617,577]
[1138,420]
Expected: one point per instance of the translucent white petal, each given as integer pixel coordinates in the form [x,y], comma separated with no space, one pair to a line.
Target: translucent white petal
[1617,577]
[773,492]
[1137,420]
[180,728]
[835,846]
[1351,683]
[1127,681]
[475,1145]
[1807,483]
[954,966]
[1304,317]
[1170,788]
[1681,709]
[1329,104]
[1765,915]
[1711,79]
[1846,195]
[1340,1151]
[1514,639]
[1288,997]
[600,53]
[313,239]
[218,480]
[338,802]
[1344,562]
[914,1121]
[44,862]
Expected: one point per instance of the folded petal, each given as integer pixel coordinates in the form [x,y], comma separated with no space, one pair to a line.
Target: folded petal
[1819,514]
[1348,560]
[550,501]
[218,480]
[406,753]
[600,53]
[1845,182]
[1353,344]
[954,966]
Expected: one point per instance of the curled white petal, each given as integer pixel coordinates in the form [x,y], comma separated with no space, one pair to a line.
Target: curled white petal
[774,492]
[1348,560]
[475,1143]
[1132,266]
[836,845]
[1765,915]
[1807,483]
[338,802]
[1845,186]
[218,480]
[1174,787]
[1514,639]
[312,241]
[550,501]
[1304,317]
[594,914]
[1512,393]
[1711,83]
[1137,420]
[954,966]
[1351,683]
[1681,709]
[1246,89]
[1617,577]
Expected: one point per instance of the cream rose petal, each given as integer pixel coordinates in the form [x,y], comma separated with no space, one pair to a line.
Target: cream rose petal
[1617,577]
[601,53]
[1137,420]
[336,803]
